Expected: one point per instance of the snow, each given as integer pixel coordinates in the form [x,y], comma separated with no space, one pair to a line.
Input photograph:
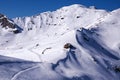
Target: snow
[93,33]
[110,30]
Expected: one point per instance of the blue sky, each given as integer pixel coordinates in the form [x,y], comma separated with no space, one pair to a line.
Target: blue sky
[19,8]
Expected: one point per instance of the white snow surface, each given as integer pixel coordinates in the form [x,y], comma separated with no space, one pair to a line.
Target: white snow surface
[94,33]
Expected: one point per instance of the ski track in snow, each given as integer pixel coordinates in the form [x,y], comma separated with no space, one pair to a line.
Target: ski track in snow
[30,49]
[23,71]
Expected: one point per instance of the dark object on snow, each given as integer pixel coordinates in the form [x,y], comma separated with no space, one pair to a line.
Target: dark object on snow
[46,49]
[62,18]
[29,29]
[68,45]
[16,31]
[78,17]
[37,44]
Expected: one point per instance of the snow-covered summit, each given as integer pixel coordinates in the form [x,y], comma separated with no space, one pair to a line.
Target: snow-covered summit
[80,15]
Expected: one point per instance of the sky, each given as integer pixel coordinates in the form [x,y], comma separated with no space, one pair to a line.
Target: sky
[21,8]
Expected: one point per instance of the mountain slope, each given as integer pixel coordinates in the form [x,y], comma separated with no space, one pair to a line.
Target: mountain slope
[93,53]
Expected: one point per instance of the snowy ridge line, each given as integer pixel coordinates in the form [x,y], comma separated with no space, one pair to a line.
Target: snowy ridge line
[99,20]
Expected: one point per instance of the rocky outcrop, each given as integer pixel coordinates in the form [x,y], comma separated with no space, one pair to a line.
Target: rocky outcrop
[8,24]
[5,22]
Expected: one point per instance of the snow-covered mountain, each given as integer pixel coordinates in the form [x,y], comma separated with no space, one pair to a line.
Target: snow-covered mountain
[71,43]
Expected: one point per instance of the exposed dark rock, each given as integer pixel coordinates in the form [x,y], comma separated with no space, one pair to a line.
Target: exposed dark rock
[62,18]
[55,24]
[16,31]
[37,45]
[7,23]
[78,17]
[29,29]
[68,45]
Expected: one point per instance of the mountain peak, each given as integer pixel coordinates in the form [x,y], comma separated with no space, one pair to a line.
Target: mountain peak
[75,6]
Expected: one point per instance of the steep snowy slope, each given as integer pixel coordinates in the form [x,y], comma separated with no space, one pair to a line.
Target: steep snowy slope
[110,30]
[93,54]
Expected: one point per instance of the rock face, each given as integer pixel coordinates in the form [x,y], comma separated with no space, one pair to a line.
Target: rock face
[8,24]
[67,45]
[5,22]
